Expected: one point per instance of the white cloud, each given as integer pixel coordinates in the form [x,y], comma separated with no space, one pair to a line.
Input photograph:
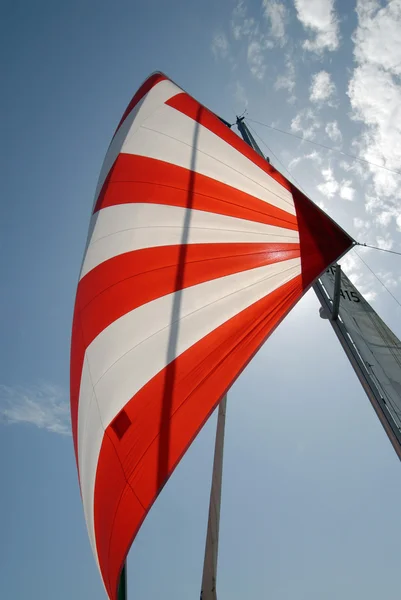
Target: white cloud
[333,131]
[362,227]
[356,272]
[306,123]
[220,45]
[384,218]
[44,406]
[276,13]
[241,25]
[375,95]
[369,295]
[313,156]
[256,59]
[356,168]
[240,95]
[385,243]
[376,101]
[388,279]
[330,185]
[378,39]
[286,81]
[322,87]
[383,210]
[361,224]
[347,192]
[248,29]
[319,18]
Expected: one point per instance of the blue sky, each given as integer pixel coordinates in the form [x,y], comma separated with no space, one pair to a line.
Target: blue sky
[312,487]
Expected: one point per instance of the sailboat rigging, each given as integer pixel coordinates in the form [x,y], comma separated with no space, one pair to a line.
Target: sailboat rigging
[197,249]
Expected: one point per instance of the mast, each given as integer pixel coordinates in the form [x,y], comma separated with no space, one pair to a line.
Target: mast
[208,590]
[330,308]
[248,137]
[209,577]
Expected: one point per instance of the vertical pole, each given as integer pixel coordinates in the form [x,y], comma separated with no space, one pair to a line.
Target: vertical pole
[337,291]
[122,586]
[208,590]
[248,137]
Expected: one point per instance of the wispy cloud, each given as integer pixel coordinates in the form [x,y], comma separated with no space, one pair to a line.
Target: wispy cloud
[322,88]
[333,131]
[242,26]
[306,123]
[355,271]
[361,224]
[313,156]
[286,81]
[331,187]
[319,18]
[43,405]
[347,192]
[220,45]
[240,95]
[386,243]
[276,14]
[253,33]
[256,60]
[389,279]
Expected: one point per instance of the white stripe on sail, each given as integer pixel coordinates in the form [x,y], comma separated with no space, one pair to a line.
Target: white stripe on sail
[169,135]
[154,99]
[127,227]
[133,349]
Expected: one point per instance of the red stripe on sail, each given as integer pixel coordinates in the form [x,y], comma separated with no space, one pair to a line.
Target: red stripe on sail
[77,354]
[321,239]
[165,416]
[135,179]
[190,107]
[125,282]
[144,89]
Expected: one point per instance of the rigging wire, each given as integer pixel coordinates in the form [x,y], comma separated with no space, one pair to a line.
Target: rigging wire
[304,139]
[377,248]
[357,243]
[378,278]
[300,187]
[278,160]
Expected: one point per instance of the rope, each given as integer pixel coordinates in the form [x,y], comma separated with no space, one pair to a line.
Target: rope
[278,160]
[299,185]
[378,279]
[353,156]
[377,248]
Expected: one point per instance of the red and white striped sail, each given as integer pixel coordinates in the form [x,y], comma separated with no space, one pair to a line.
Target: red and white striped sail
[197,249]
